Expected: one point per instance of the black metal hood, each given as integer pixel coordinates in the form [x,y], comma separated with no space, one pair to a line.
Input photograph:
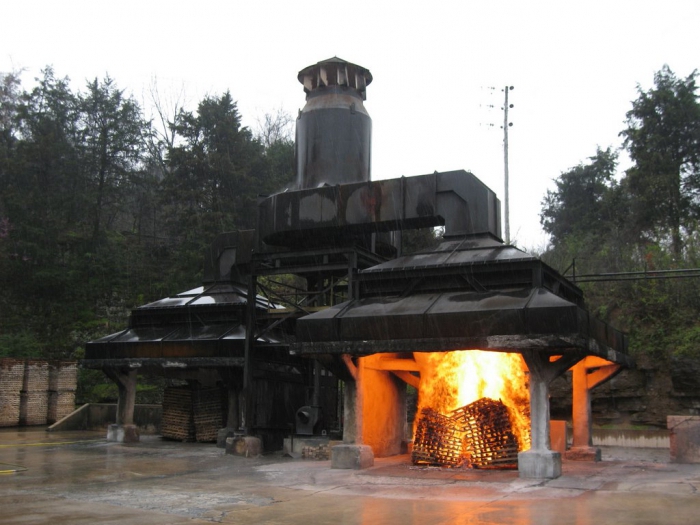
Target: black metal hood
[472,293]
[203,323]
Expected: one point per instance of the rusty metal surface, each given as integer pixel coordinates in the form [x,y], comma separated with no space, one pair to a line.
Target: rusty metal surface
[332,215]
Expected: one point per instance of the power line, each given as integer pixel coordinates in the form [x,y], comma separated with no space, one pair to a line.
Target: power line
[685,273]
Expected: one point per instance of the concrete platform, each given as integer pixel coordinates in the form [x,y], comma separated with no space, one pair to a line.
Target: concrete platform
[79,477]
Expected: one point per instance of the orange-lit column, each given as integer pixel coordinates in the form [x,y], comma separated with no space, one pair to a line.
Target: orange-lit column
[587,374]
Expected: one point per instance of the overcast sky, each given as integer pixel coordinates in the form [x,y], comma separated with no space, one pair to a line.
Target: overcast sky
[575,67]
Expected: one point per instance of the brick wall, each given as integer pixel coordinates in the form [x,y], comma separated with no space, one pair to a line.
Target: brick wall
[34,398]
[60,405]
[63,378]
[36,392]
[11,381]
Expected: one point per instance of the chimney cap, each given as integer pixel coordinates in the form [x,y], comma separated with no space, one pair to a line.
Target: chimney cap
[335,72]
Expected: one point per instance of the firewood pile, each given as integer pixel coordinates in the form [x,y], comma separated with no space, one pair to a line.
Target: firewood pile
[437,441]
[478,435]
[321,452]
[489,441]
[208,414]
[178,417]
[192,414]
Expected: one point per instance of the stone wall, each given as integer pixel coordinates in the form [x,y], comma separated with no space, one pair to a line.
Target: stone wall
[36,392]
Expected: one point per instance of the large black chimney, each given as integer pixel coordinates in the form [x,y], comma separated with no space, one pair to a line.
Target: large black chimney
[334,131]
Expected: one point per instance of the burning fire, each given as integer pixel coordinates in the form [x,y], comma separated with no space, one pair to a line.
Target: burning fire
[450,380]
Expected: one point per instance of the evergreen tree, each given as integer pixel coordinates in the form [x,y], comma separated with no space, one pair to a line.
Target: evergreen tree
[663,140]
[113,148]
[584,202]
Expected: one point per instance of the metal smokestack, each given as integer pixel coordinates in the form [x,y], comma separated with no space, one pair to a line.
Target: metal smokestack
[334,130]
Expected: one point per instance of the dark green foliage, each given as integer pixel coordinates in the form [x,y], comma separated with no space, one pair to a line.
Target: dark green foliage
[111,143]
[423,239]
[646,222]
[99,214]
[663,140]
[20,344]
[584,202]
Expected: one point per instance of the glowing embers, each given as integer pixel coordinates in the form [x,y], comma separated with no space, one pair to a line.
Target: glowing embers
[473,409]
[488,434]
[478,435]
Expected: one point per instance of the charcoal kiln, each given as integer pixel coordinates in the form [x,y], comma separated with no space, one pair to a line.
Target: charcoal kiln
[377,319]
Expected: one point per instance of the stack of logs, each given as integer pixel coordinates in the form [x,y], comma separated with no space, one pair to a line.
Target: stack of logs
[321,452]
[192,414]
[478,435]
[177,420]
[437,441]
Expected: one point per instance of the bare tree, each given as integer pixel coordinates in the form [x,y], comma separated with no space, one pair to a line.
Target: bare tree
[9,99]
[163,109]
[275,127]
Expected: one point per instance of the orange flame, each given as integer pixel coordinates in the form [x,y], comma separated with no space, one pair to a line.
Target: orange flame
[450,380]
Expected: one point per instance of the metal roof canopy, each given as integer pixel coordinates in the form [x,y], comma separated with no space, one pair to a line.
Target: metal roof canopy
[199,327]
[473,293]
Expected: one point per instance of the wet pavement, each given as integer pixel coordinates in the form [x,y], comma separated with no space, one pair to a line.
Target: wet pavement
[78,477]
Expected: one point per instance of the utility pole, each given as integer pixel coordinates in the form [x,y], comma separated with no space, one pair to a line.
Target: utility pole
[505,127]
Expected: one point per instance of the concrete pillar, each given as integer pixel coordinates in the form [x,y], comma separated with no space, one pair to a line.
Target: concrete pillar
[539,413]
[127,398]
[587,374]
[540,462]
[352,410]
[233,423]
[124,431]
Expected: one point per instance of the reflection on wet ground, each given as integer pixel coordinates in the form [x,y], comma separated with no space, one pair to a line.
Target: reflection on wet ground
[80,478]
